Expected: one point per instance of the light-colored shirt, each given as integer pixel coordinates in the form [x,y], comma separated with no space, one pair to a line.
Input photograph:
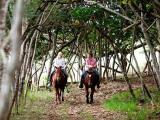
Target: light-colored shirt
[59,62]
[90,61]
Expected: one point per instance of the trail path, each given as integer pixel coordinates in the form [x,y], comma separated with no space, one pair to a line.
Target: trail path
[75,108]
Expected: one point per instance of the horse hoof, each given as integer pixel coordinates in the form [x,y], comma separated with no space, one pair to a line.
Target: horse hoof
[90,102]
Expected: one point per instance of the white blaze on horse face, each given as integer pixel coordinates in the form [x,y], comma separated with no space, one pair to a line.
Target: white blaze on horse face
[89,79]
[57,76]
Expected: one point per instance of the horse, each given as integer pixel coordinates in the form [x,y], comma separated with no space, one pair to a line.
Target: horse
[59,83]
[89,82]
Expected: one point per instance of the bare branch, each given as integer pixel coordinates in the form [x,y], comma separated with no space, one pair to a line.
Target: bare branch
[109,10]
[152,24]
[130,26]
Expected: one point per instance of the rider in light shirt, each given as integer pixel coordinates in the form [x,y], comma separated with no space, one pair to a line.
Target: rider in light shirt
[59,61]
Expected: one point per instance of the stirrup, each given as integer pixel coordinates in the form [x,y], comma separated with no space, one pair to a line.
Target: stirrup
[98,86]
[81,86]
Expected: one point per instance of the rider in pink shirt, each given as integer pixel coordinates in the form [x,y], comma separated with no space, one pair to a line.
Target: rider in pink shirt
[90,62]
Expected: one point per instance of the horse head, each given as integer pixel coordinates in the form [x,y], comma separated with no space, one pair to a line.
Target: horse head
[58,73]
[89,79]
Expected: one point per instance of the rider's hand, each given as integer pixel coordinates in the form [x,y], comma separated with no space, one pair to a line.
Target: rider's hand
[90,66]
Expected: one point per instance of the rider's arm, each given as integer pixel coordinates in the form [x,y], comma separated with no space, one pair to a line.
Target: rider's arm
[63,63]
[95,63]
[92,64]
[55,62]
[87,64]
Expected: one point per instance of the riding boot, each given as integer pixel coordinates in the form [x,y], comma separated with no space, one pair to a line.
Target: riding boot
[82,79]
[98,82]
[98,85]
[81,84]
[51,78]
[66,77]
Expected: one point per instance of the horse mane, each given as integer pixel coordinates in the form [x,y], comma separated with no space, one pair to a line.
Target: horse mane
[58,70]
[58,74]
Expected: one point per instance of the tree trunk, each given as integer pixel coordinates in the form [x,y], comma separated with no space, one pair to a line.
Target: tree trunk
[113,66]
[43,64]
[151,49]
[150,66]
[100,54]
[12,65]
[52,57]
[103,32]
[144,87]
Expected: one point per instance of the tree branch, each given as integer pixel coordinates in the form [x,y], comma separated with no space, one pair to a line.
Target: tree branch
[110,10]
[132,25]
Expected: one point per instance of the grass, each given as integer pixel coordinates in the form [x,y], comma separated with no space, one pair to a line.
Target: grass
[40,96]
[123,102]
[34,108]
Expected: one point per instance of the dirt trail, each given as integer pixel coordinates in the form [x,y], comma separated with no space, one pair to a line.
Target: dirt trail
[75,108]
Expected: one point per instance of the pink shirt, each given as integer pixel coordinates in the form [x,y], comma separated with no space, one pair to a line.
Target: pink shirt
[90,61]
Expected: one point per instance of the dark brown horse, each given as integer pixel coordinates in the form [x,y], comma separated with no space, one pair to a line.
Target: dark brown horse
[90,82]
[59,83]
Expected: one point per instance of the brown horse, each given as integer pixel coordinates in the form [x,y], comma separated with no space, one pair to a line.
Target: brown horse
[90,82]
[59,83]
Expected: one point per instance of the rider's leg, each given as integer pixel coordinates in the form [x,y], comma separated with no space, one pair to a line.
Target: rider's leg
[51,78]
[65,74]
[97,78]
[82,79]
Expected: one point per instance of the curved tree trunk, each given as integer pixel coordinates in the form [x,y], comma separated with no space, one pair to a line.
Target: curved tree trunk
[52,57]
[12,65]
[151,49]
[43,64]
[150,66]
[113,66]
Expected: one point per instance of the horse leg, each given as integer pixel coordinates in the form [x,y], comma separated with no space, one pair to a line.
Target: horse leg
[59,96]
[91,95]
[56,95]
[87,95]
[62,94]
